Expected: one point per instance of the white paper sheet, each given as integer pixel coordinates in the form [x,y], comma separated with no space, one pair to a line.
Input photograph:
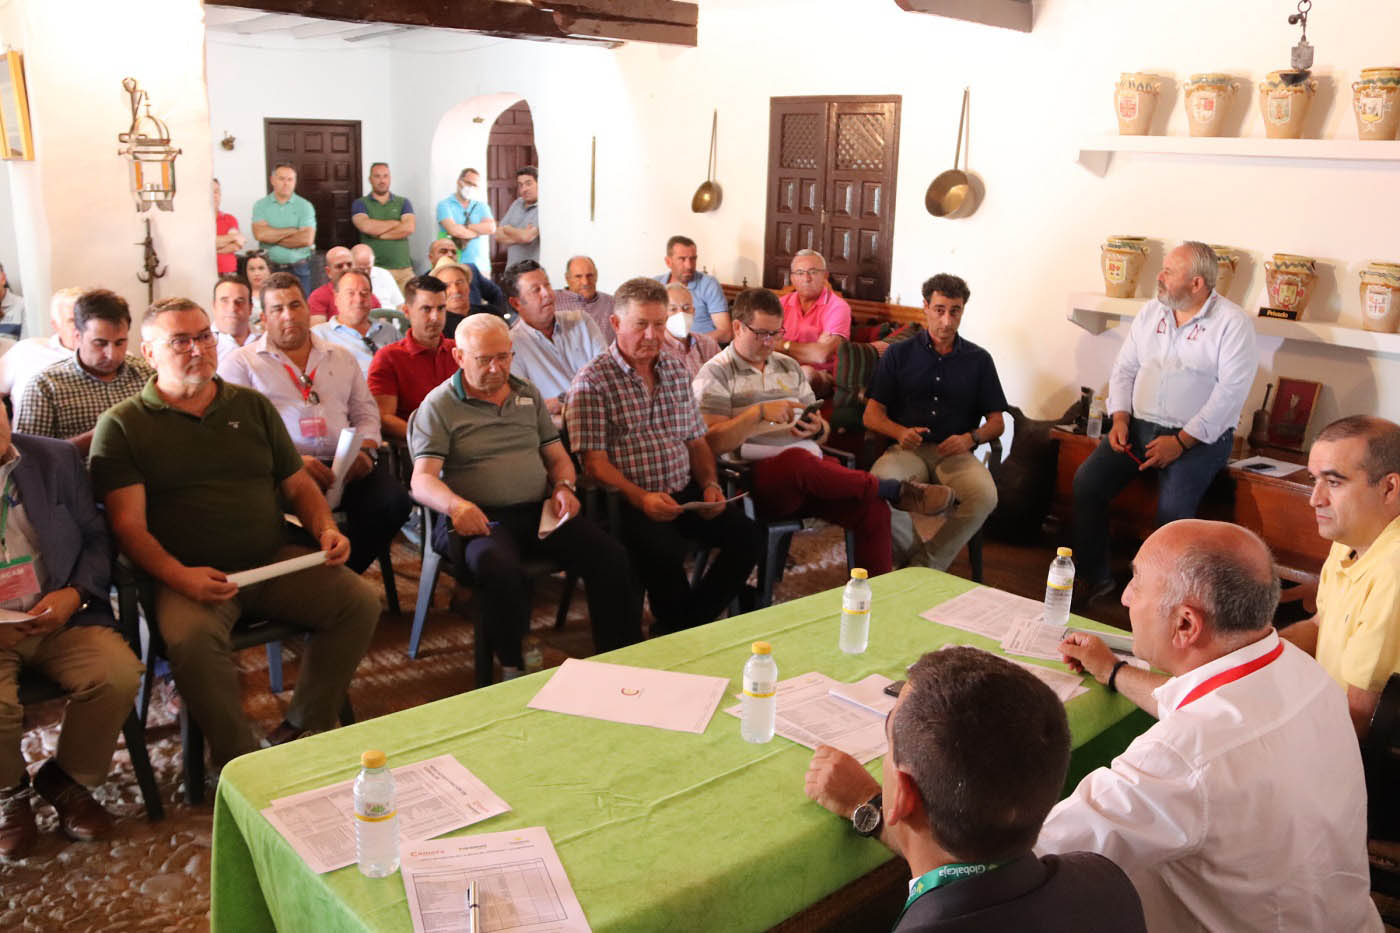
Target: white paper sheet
[1119,643]
[984,611]
[638,696]
[550,518]
[347,448]
[433,797]
[1266,466]
[520,883]
[1067,686]
[1032,638]
[268,571]
[10,617]
[868,694]
[700,503]
[809,715]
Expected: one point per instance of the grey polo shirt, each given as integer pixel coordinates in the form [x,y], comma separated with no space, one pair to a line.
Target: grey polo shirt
[490,453]
[520,214]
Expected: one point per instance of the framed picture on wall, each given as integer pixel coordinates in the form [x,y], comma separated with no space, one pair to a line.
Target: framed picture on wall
[15,132]
[1293,409]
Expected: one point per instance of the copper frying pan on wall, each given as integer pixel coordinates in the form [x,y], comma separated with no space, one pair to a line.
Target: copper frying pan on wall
[950,194]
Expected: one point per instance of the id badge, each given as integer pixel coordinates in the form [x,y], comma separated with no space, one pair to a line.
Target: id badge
[313,427]
[18,579]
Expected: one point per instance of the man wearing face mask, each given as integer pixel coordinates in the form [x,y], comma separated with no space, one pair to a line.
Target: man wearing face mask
[550,346]
[465,216]
[691,349]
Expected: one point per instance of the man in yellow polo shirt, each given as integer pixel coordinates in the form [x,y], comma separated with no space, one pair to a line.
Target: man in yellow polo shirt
[1355,636]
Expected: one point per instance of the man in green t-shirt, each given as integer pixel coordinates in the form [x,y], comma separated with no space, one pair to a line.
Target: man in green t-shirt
[385,221]
[196,474]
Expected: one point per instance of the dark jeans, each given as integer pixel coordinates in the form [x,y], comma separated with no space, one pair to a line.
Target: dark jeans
[659,550]
[1180,486]
[494,565]
[376,505]
[301,269]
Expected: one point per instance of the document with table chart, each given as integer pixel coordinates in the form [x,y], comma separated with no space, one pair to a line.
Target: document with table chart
[985,611]
[810,714]
[434,797]
[520,884]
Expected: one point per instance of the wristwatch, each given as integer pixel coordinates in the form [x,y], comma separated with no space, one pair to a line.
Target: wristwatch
[868,818]
[568,483]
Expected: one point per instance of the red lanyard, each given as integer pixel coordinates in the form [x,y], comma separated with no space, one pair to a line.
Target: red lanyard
[303,383]
[1233,674]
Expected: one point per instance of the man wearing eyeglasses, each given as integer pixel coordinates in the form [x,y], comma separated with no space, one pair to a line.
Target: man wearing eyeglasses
[488,457]
[196,474]
[352,327]
[319,390]
[550,346]
[815,319]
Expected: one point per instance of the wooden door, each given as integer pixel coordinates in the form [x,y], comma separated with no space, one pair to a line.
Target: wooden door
[326,155]
[831,186]
[510,147]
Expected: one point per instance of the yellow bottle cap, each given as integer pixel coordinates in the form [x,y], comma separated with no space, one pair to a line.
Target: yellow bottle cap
[1065,552]
[373,758]
[858,573]
[762,647]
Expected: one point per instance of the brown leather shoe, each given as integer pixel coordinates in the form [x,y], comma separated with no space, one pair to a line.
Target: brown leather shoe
[926,498]
[79,816]
[17,830]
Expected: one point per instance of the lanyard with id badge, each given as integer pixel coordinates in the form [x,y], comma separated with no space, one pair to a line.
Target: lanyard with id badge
[17,577]
[312,422]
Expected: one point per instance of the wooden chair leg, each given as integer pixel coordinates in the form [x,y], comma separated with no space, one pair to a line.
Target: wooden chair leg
[427,582]
[974,556]
[485,670]
[850,552]
[134,731]
[391,585]
[274,666]
[192,747]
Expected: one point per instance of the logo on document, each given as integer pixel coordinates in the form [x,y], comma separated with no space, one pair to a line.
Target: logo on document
[630,692]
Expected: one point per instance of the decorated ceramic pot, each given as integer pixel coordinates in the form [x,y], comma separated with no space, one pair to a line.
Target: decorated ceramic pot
[1208,98]
[1228,262]
[1290,280]
[1135,100]
[1374,99]
[1285,106]
[1121,259]
[1380,297]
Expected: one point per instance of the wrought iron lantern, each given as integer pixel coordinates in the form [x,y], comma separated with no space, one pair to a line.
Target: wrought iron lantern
[152,157]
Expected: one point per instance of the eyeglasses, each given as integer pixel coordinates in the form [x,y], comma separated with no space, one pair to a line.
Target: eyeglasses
[501,359]
[806,273]
[182,343]
[765,334]
[685,309]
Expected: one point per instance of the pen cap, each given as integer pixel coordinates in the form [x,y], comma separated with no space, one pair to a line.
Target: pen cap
[373,758]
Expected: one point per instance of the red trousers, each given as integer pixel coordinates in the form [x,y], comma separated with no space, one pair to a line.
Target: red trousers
[795,484]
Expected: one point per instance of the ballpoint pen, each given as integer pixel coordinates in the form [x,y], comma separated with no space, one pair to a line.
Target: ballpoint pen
[473,907]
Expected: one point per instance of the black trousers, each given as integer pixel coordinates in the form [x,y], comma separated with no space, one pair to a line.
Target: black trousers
[376,505]
[494,565]
[659,549]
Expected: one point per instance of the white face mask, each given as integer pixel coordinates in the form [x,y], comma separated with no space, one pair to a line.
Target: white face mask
[468,192]
[678,325]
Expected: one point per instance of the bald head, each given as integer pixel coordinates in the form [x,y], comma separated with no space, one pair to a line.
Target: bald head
[361,258]
[338,262]
[1222,570]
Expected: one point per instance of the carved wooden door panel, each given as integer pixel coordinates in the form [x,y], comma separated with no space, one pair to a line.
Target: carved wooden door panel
[510,147]
[797,157]
[326,155]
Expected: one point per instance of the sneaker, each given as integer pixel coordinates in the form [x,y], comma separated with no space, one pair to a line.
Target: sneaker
[79,816]
[17,829]
[926,498]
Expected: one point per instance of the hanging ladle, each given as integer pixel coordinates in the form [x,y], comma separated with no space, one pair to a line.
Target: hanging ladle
[707,196]
[951,191]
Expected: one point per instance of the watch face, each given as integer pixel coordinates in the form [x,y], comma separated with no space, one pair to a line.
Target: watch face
[866,819]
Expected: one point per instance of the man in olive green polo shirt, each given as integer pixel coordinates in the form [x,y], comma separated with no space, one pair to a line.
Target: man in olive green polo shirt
[194,473]
[385,221]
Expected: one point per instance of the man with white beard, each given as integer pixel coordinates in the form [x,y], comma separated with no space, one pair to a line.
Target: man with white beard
[1176,391]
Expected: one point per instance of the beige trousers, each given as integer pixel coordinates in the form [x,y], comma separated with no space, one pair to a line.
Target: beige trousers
[101,675]
[977,497]
[339,610]
[401,276]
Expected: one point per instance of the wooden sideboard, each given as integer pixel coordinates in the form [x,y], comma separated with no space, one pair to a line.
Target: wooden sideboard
[1275,508]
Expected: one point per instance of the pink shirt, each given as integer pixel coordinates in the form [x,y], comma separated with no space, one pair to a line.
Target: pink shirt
[829,314]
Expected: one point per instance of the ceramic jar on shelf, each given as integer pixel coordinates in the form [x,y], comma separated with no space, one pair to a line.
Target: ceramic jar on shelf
[1121,259]
[1380,297]
[1228,262]
[1135,101]
[1208,98]
[1290,281]
[1284,105]
[1375,101]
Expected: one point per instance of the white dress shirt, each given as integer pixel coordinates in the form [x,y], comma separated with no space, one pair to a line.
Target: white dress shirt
[227,343]
[551,362]
[1242,810]
[1193,377]
[341,395]
[381,333]
[26,359]
[385,288]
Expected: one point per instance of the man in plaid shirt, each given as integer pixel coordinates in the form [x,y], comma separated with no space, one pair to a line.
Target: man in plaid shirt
[633,421]
[65,399]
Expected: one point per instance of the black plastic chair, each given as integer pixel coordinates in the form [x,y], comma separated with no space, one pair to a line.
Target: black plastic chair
[1380,757]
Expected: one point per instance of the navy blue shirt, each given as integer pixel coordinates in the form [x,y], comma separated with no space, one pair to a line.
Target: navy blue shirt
[922,388]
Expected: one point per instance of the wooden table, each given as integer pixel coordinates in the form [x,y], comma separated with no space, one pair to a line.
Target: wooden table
[1275,508]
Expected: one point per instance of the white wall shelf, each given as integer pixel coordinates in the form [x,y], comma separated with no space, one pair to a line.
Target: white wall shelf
[1096,313]
[1096,152]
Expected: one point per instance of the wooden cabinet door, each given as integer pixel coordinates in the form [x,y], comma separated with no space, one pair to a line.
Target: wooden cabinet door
[831,184]
[326,155]
[509,148]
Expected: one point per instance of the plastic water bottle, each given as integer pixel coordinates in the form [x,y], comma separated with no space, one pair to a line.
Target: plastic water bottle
[760,702]
[855,613]
[376,817]
[1097,409]
[1059,588]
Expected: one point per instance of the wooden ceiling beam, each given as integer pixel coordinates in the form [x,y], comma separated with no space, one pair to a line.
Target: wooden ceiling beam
[1007,14]
[648,11]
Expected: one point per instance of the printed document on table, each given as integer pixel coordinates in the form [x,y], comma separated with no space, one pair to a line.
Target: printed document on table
[868,694]
[809,715]
[638,696]
[433,797]
[1032,638]
[1066,686]
[985,611]
[520,884]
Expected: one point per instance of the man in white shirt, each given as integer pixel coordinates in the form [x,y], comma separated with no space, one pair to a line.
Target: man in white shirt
[319,389]
[31,356]
[11,308]
[231,317]
[550,346]
[352,327]
[1177,387]
[381,281]
[1244,807]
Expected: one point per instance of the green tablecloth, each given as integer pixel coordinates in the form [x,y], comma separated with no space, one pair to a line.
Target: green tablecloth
[657,830]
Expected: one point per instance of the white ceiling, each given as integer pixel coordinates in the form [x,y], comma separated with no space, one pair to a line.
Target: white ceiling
[235,21]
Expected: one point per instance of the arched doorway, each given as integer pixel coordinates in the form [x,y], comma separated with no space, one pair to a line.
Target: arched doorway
[510,147]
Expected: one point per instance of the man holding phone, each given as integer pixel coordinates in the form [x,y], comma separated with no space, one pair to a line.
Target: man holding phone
[757,402]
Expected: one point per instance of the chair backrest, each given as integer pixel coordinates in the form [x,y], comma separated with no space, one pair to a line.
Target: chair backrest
[1380,756]
[397,318]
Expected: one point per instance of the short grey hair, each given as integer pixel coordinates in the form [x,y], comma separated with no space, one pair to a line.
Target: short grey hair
[150,321]
[64,296]
[1204,262]
[1224,586]
[481,323]
[809,252]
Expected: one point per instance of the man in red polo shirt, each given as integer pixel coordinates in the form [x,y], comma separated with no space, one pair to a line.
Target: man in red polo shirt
[405,371]
[228,239]
[815,319]
[321,301]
